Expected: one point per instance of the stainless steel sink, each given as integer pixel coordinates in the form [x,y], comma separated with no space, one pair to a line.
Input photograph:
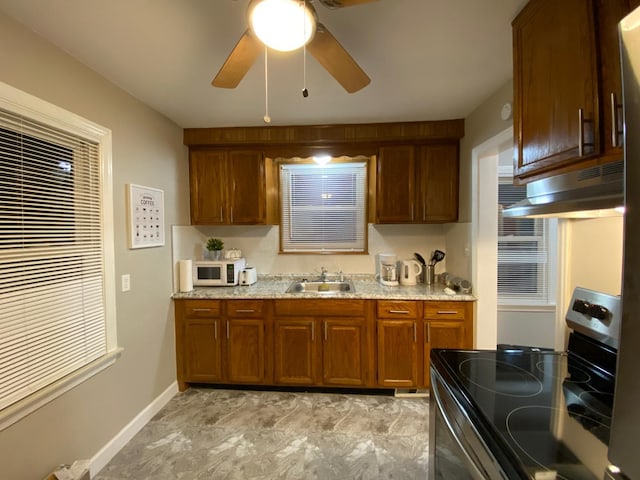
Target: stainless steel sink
[326,287]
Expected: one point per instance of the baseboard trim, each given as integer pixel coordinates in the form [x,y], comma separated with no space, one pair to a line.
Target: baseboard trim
[110,450]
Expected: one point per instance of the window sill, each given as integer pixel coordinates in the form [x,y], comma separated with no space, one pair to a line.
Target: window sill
[21,409]
[527,308]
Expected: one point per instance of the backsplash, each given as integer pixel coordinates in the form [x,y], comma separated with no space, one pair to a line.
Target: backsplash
[260,245]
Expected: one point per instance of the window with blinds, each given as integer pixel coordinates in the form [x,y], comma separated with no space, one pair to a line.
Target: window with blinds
[323,208]
[523,252]
[53,314]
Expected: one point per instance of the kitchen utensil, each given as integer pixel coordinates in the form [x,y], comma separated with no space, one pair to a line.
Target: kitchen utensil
[409,271]
[437,256]
[420,258]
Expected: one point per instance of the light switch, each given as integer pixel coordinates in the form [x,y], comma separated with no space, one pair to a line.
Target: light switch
[126,282]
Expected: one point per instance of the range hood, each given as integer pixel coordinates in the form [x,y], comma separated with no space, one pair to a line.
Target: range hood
[592,192]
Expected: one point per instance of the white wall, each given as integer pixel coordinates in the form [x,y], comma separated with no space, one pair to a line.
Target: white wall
[259,244]
[594,253]
[147,150]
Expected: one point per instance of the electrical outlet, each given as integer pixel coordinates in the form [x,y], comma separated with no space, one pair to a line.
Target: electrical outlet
[126,282]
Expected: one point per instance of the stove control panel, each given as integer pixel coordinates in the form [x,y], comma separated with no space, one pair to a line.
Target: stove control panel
[596,315]
[596,311]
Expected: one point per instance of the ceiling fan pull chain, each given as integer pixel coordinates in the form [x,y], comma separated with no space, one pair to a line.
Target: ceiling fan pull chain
[305,92]
[266,118]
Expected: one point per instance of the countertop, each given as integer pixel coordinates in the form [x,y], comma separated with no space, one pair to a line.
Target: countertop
[366,287]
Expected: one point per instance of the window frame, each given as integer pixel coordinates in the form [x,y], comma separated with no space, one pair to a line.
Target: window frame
[38,110]
[365,203]
[549,238]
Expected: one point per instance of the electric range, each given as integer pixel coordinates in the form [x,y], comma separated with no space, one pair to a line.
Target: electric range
[524,413]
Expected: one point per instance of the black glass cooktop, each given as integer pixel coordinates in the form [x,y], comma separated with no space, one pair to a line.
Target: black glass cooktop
[546,413]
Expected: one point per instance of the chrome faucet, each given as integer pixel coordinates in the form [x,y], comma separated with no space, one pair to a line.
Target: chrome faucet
[323,274]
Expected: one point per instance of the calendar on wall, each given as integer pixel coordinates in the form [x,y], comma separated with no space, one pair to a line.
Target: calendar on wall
[146,216]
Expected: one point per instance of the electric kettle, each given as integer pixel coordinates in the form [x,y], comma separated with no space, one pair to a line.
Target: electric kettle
[409,271]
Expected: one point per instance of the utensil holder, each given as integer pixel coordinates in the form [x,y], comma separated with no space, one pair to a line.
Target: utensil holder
[429,276]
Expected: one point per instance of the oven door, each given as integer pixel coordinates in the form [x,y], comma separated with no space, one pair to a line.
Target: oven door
[456,450]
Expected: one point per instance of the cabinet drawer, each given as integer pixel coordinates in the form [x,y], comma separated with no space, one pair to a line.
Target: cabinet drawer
[397,309]
[201,308]
[245,308]
[321,307]
[445,310]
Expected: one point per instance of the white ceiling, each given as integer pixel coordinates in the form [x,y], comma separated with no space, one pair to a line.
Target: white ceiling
[427,59]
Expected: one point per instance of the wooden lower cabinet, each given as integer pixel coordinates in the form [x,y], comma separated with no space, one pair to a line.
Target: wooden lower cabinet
[295,351]
[446,325]
[311,349]
[309,342]
[203,350]
[220,342]
[245,350]
[397,353]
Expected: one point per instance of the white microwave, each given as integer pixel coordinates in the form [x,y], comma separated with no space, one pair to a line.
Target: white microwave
[217,273]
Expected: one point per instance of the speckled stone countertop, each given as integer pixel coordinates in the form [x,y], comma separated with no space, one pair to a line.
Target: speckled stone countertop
[366,287]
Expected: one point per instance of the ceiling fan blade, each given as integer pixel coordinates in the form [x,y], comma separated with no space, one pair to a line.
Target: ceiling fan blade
[337,61]
[344,3]
[239,61]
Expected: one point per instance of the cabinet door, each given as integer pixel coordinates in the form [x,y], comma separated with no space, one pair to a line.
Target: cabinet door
[450,334]
[395,185]
[555,76]
[344,350]
[207,179]
[610,12]
[295,354]
[437,183]
[397,353]
[247,200]
[245,350]
[202,350]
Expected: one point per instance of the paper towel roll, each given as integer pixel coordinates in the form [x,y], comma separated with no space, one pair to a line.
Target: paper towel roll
[186,278]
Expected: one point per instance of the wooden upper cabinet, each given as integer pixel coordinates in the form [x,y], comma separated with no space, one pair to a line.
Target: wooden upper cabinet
[566,68]
[395,185]
[208,188]
[437,183]
[417,184]
[246,181]
[227,187]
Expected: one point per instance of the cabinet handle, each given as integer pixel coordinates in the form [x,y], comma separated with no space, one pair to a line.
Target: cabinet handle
[615,131]
[325,330]
[402,312]
[227,329]
[428,332]
[221,215]
[313,331]
[447,312]
[412,216]
[581,140]
[231,214]
[248,310]
[424,209]
[215,330]
[201,310]
[415,333]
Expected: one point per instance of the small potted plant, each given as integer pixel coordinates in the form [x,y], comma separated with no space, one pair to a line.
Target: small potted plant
[215,246]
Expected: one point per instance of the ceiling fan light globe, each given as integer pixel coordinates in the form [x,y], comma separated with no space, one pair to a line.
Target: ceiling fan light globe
[283,25]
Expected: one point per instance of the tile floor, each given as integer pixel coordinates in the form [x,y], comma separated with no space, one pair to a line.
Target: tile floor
[206,433]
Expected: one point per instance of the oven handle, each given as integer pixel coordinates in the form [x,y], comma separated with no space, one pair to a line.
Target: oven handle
[475,472]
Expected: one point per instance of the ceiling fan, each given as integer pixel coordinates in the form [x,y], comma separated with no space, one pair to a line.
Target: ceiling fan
[310,32]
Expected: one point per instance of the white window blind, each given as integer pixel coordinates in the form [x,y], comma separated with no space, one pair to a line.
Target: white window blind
[52,291]
[523,253]
[323,208]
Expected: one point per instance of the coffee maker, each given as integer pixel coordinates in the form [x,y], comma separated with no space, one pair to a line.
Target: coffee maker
[387,269]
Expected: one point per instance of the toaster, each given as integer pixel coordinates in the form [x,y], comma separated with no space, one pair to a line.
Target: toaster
[248,276]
